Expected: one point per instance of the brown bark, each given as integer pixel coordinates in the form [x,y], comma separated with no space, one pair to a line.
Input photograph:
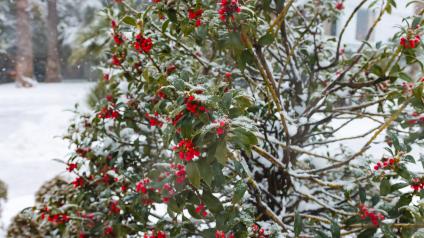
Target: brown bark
[24,55]
[53,59]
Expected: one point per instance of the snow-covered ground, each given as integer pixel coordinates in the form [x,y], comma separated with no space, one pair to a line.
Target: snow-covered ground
[32,122]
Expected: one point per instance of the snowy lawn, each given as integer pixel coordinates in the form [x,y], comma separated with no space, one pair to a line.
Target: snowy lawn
[32,122]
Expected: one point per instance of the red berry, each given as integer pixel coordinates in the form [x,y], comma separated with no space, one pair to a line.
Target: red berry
[339,6]
[403,41]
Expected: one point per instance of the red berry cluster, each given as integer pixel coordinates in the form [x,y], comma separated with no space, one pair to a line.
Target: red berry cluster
[220,130]
[386,163]
[418,118]
[221,234]
[114,208]
[259,233]
[142,44]
[186,150]
[180,172]
[410,42]
[177,118]
[365,213]
[71,167]
[339,6]
[159,234]
[106,77]
[108,230]
[195,15]
[201,209]
[142,185]
[161,94]
[171,68]
[166,188]
[154,120]
[408,88]
[107,179]
[228,8]
[116,61]
[417,184]
[56,219]
[82,151]
[228,75]
[110,98]
[118,38]
[78,182]
[106,113]
[113,24]
[194,106]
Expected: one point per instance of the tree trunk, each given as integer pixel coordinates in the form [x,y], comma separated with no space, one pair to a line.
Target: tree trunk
[24,56]
[53,61]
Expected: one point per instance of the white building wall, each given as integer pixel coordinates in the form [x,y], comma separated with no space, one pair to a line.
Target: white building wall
[388,26]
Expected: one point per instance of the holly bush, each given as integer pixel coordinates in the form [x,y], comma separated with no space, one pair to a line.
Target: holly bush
[231,119]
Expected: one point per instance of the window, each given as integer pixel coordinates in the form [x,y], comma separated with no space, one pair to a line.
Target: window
[331,28]
[364,21]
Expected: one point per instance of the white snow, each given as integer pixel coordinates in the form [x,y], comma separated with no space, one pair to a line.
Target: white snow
[32,122]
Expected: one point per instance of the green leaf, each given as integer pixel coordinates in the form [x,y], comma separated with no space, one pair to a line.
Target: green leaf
[387,231]
[405,77]
[175,206]
[218,177]
[243,138]
[385,187]
[266,39]
[404,200]
[186,127]
[129,21]
[165,25]
[320,234]
[239,190]
[205,171]
[362,194]
[368,233]
[297,224]
[403,172]
[398,186]
[172,15]
[193,174]
[221,152]
[352,220]
[388,9]
[377,70]
[409,159]
[179,84]
[211,202]
[335,230]
[418,93]
[226,101]
[396,143]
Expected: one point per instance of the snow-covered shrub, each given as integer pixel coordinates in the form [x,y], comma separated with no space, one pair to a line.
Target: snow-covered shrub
[24,224]
[3,195]
[236,119]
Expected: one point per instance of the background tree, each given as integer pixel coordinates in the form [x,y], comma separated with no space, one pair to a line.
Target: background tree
[53,58]
[24,55]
